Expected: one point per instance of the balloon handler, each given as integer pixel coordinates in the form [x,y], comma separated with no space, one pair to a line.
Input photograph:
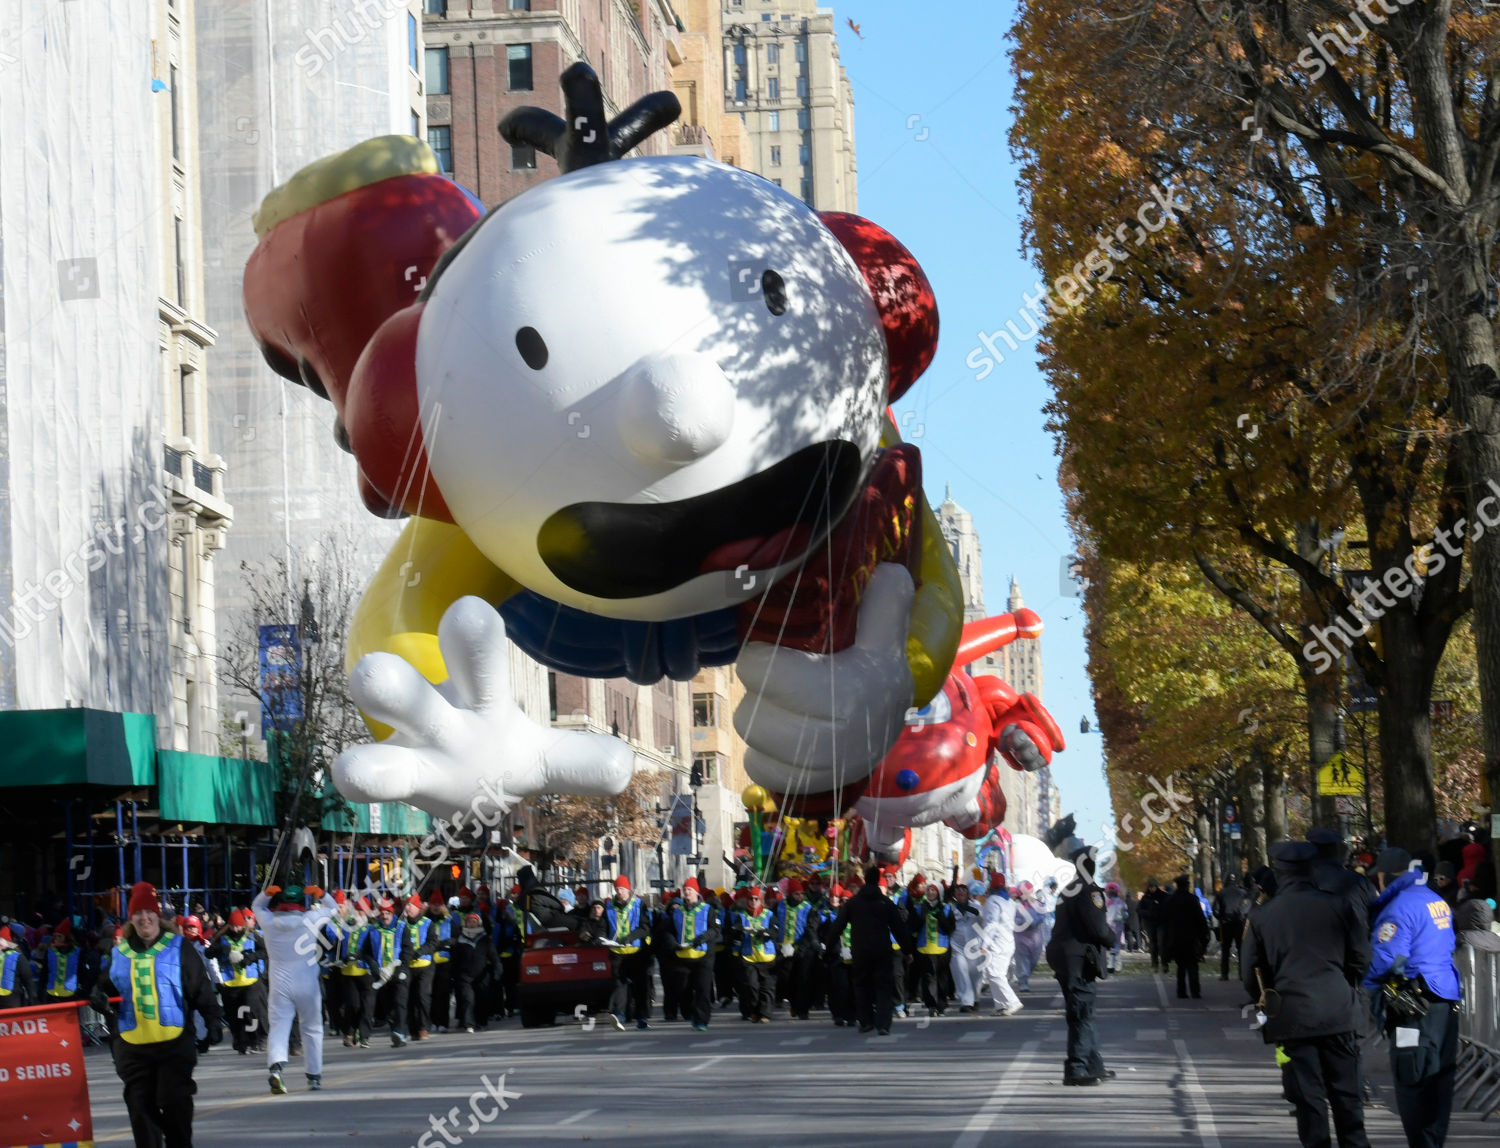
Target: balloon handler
[157,984]
[696,468]
[291,929]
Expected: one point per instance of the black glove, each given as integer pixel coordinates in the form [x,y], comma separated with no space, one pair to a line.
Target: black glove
[215,1032]
[202,1046]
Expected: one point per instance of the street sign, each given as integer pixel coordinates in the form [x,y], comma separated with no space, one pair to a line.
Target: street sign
[1234,831]
[1362,699]
[1338,777]
[1345,805]
[1442,709]
[1229,815]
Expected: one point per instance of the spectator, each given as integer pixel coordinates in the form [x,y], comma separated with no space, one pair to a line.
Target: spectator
[1185,935]
[1231,906]
[1474,922]
[1153,901]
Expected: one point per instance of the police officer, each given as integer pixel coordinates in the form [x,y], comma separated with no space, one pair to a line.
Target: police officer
[1413,939]
[1304,955]
[1331,876]
[159,984]
[874,925]
[1080,935]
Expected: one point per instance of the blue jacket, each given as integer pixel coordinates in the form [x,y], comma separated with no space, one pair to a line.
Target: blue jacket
[1413,923]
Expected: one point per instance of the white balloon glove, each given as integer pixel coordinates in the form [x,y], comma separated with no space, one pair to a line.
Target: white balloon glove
[787,950]
[451,737]
[815,722]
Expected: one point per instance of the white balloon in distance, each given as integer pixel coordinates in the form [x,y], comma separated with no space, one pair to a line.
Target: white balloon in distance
[626,338]
[1031,860]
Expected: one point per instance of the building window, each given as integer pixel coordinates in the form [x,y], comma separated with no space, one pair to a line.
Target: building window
[739,90]
[773,121]
[739,55]
[437,71]
[435,7]
[806,190]
[800,51]
[440,140]
[184,389]
[710,767]
[520,5]
[518,56]
[773,53]
[773,88]
[416,124]
[802,87]
[706,711]
[522,157]
[177,237]
[804,154]
[765,17]
[777,182]
[411,41]
[804,120]
[176,115]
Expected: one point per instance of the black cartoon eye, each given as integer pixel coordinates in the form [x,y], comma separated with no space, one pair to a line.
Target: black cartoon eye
[773,287]
[533,347]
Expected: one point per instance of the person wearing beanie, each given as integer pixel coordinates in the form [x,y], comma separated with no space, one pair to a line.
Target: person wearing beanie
[753,942]
[967,953]
[873,923]
[930,921]
[1304,955]
[726,974]
[474,963]
[1232,905]
[1413,940]
[382,950]
[444,926]
[693,928]
[628,932]
[1153,902]
[243,964]
[418,948]
[349,978]
[1075,950]
[17,984]
[291,934]
[155,1050]
[68,971]
[509,937]
[997,924]
[798,948]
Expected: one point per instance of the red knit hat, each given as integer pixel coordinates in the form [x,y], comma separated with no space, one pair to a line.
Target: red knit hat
[838,891]
[64,928]
[755,893]
[692,883]
[143,897]
[622,882]
[793,886]
[192,927]
[582,892]
[436,900]
[414,899]
[340,897]
[5,934]
[387,905]
[467,892]
[236,919]
[997,882]
[515,891]
[363,905]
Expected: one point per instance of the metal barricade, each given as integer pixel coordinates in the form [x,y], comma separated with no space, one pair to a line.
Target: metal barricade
[1477,1085]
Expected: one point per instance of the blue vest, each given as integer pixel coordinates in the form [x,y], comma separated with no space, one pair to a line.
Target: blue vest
[702,917]
[631,922]
[247,972]
[791,923]
[150,988]
[8,971]
[758,952]
[508,937]
[443,928]
[1410,920]
[62,978]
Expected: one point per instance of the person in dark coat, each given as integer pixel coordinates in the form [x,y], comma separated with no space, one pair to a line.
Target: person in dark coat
[1231,906]
[1472,923]
[1332,876]
[475,964]
[1153,902]
[1305,955]
[872,920]
[1185,935]
[1080,936]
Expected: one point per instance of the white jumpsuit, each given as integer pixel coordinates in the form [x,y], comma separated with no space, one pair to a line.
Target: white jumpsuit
[998,925]
[967,954]
[294,952]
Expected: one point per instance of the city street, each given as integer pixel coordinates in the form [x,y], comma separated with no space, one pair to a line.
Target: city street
[1190,1073]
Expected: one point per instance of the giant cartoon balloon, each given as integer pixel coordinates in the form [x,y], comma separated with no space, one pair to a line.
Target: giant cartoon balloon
[943,766]
[640,411]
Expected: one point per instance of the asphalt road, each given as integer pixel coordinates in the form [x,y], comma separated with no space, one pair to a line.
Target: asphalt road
[1190,1073]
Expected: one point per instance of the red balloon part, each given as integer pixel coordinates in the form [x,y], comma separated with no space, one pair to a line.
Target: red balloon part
[318,285]
[903,296]
[384,424]
[1010,745]
[1039,715]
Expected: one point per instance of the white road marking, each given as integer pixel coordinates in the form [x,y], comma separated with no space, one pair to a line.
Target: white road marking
[706,1064]
[715,1043]
[1207,1135]
[1241,1034]
[800,1041]
[975,1037]
[990,1110]
[577,1116]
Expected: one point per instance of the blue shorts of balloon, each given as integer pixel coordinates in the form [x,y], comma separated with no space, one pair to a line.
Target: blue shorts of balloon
[637,419]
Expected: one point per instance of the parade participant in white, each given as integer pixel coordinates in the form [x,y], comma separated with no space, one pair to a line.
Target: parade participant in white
[968,945]
[291,934]
[997,924]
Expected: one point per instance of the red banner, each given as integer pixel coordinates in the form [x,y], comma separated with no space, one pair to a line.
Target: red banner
[43,1090]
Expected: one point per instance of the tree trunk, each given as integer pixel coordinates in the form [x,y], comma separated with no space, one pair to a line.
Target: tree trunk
[1275,795]
[1253,814]
[1322,739]
[1406,736]
[1205,859]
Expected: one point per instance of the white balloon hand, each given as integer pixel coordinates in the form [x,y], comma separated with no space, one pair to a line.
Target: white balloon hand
[451,737]
[815,722]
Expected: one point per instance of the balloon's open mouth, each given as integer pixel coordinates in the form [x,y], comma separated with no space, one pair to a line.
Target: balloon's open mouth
[633,550]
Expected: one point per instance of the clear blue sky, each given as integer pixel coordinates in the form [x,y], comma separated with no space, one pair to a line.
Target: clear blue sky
[932,90]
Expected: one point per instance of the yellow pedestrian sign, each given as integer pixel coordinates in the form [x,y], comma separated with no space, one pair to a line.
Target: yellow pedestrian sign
[1338,778]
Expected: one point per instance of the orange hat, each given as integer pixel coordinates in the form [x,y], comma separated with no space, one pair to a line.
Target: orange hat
[192,927]
[237,919]
[313,893]
[143,899]
[622,882]
[339,897]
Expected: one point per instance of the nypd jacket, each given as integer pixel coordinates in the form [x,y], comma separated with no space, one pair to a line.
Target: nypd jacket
[1081,925]
[1413,935]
